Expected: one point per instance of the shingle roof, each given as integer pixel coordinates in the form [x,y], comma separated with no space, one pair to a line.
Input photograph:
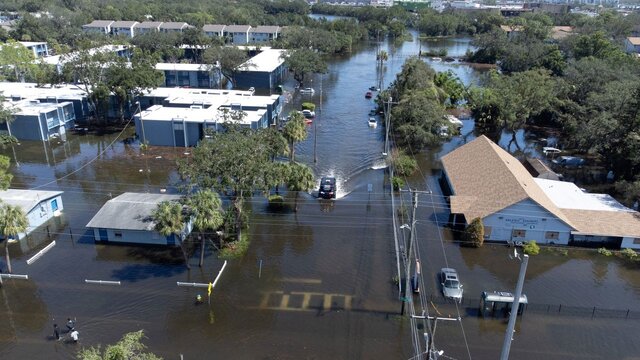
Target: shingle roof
[266,29]
[606,223]
[99,23]
[634,40]
[123,24]
[129,211]
[173,25]
[26,199]
[213,28]
[237,28]
[490,179]
[148,25]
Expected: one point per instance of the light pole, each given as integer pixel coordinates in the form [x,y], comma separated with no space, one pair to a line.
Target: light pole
[508,336]
[387,117]
[410,251]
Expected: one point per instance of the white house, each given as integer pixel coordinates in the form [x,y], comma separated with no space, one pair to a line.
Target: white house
[98,26]
[39,48]
[237,34]
[147,26]
[124,28]
[214,30]
[486,182]
[262,34]
[38,205]
[127,218]
[168,27]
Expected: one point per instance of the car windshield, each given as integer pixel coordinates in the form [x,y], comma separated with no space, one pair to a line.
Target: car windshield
[452,284]
[326,187]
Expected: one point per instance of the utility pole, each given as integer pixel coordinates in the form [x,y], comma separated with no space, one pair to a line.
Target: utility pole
[315,128]
[508,336]
[433,354]
[410,251]
[387,116]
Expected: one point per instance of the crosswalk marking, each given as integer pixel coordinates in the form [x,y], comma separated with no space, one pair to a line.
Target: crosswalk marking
[310,301]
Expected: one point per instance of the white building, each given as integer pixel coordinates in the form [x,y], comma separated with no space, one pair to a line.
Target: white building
[237,34]
[168,27]
[147,26]
[124,28]
[38,205]
[262,34]
[39,49]
[486,182]
[98,26]
[214,30]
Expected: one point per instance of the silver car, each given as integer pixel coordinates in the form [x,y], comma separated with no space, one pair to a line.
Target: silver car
[451,287]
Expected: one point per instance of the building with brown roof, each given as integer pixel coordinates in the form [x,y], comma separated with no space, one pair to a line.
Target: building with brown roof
[632,45]
[486,182]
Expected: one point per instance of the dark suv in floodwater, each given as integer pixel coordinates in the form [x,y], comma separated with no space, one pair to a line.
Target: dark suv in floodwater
[327,188]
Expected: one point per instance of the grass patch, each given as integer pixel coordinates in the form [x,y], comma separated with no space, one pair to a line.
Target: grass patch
[235,249]
[556,251]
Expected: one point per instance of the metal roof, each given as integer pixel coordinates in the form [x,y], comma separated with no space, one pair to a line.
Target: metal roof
[123,24]
[148,25]
[26,199]
[266,29]
[130,211]
[266,61]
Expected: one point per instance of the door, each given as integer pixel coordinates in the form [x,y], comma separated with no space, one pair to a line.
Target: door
[178,134]
[103,235]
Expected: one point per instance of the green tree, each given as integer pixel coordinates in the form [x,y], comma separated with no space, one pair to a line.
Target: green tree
[130,347]
[295,130]
[225,60]
[300,178]
[304,61]
[17,59]
[403,164]
[451,86]
[12,223]
[474,233]
[170,221]
[206,209]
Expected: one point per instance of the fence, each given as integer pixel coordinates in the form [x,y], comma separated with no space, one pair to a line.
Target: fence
[471,308]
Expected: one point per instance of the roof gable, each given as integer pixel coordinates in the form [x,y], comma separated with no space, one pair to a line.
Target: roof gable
[26,199]
[491,180]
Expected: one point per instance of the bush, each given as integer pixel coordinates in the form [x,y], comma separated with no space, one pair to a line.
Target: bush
[397,183]
[605,252]
[276,202]
[235,249]
[404,165]
[308,106]
[531,248]
[474,233]
[629,254]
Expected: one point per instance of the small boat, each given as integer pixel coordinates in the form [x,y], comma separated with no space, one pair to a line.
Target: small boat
[307,91]
[454,121]
[368,95]
[372,122]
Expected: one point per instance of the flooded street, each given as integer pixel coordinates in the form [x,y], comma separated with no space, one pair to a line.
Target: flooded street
[316,283]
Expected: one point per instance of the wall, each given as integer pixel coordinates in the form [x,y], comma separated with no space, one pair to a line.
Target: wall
[530,217]
[41,213]
[134,237]
[26,127]
[156,132]
[239,38]
[630,243]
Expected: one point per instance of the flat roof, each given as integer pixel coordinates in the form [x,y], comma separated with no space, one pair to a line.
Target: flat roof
[208,115]
[634,40]
[30,107]
[32,43]
[26,199]
[168,92]
[182,67]
[130,211]
[266,61]
[566,195]
[60,59]
[31,91]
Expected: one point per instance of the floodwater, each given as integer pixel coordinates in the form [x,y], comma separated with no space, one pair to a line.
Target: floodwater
[316,283]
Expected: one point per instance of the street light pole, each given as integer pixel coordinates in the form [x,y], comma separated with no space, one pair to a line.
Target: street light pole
[508,336]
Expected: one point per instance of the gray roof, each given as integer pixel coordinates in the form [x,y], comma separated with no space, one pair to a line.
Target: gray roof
[148,25]
[266,29]
[213,28]
[237,28]
[26,199]
[130,211]
[123,24]
[99,23]
[173,25]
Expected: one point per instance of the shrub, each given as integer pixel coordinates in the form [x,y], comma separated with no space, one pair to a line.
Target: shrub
[605,252]
[531,248]
[474,233]
[235,249]
[397,183]
[308,106]
[404,165]
[629,254]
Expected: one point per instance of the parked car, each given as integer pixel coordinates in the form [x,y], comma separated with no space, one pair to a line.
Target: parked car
[327,188]
[307,91]
[451,287]
[308,114]
[569,161]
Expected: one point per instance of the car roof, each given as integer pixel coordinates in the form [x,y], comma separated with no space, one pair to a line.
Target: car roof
[328,180]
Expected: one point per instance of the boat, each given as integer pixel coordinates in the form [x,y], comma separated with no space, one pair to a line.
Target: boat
[372,122]
[436,59]
[307,91]
[368,95]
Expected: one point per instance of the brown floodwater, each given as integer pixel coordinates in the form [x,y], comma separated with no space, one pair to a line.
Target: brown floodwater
[315,284]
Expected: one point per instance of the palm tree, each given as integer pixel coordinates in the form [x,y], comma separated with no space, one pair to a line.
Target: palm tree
[12,222]
[295,131]
[206,208]
[170,221]
[300,178]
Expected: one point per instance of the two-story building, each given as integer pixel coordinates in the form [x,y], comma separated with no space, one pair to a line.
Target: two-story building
[35,120]
[263,71]
[147,27]
[263,34]
[237,34]
[168,27]
[39,48]
[38,206]
[98,26]
[214,30]
[632,45]
[124,28]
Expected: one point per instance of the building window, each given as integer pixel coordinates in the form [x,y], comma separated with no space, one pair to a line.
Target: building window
[118,235]
[551,235]
[518,233]
[487,232]
[636,241]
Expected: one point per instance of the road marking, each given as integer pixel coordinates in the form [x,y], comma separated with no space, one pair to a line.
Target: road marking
[302,281]
[283,300]
[284,303]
